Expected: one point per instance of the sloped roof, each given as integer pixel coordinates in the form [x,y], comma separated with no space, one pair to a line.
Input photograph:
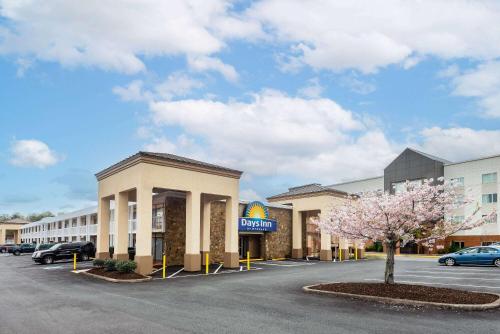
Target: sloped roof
[430,156]
[15,221]
[307,189]
[166,157]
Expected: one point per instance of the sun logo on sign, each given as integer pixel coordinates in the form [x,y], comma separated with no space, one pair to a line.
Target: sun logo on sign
[256,210]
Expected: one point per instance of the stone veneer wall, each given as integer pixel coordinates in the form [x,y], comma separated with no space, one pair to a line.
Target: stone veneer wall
[175,215]
[273,244]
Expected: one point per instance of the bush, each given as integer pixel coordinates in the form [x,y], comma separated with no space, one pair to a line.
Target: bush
[126,266]
[110,264]
[98,263]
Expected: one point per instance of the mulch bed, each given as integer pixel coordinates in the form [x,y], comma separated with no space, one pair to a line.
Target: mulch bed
[411,292]
[115,274]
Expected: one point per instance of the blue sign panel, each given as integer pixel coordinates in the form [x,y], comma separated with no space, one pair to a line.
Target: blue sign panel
[257,225]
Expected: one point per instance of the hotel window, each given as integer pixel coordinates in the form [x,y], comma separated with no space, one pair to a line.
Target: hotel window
[457,219]
[492,220]
[458,181]
[490,178]
[489,198]
[458,244]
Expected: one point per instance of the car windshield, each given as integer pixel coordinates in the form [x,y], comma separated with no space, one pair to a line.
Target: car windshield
[56,246]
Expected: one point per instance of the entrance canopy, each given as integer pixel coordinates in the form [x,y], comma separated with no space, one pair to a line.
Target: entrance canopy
[137,177]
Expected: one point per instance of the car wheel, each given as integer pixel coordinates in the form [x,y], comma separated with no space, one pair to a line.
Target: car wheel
[48,260]
[85,257]
[449,262]
[497,262]
[17,253]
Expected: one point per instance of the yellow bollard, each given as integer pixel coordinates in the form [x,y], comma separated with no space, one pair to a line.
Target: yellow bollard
[356,253]
[207,265]
[248,260]
[340,254]
[164,266]
[74,261]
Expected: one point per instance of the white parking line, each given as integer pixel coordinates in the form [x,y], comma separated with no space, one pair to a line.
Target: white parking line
[451,277]
[454,272]
[178,271]
[435,283]
[217,270]
[294,264]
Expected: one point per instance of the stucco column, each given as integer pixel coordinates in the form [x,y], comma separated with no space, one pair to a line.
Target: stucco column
[231,255]
[325,253]
[192,257]
[103,216]
[205,231]
[297,252]
[121,226]
[144,230]
[344,248]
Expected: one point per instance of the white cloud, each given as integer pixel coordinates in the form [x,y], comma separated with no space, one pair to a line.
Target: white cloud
[354,84]
[312,90]
[117,35]
[32,153]
[250,195]
[368,35]
[482,83]
[204,63]
[177,84]
[458,143]
[276,134]
[134,91]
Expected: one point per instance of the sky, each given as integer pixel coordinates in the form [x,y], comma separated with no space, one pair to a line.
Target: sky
[290,92]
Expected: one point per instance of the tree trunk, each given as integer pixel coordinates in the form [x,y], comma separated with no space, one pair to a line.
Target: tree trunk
[389,262]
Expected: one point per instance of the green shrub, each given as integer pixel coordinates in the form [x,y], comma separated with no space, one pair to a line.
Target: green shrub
[126,266]
[98,263]
[110,264]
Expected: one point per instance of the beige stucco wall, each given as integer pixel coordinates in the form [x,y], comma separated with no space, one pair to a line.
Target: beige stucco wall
[141,178]
[15,228]
[311,202]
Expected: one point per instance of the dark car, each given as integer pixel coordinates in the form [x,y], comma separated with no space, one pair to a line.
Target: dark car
[64,251]
[6,248]
[41,247]
[22,248]
[484,255]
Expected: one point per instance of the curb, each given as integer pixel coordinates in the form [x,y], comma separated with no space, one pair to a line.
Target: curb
[397,301]
[114,280]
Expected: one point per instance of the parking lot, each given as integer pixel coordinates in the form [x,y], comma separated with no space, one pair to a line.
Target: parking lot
[269,298]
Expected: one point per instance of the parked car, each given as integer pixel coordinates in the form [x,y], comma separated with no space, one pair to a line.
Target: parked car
[484,255]
[83,250]
[22,248]
[496,244]
[5,248]
[40,247]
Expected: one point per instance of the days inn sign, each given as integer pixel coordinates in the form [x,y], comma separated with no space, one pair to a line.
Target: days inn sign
[256,219]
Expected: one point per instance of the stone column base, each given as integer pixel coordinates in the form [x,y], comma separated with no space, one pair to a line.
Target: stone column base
[345,254]
[144,264]
[231,260]
[325,255]
[297,253]
[361,253]
[120,257]
[204,256]
[102,255]
[192,262]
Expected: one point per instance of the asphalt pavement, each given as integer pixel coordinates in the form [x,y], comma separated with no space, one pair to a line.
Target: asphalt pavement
[268,299]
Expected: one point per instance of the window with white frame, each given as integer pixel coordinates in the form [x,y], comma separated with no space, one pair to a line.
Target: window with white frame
[489,198]
[458,181]
[492,220]
[489,178]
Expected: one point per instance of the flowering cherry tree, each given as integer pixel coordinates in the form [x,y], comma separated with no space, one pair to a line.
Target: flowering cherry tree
[420,213]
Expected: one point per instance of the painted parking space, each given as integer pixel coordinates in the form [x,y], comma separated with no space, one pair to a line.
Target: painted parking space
[479,278]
